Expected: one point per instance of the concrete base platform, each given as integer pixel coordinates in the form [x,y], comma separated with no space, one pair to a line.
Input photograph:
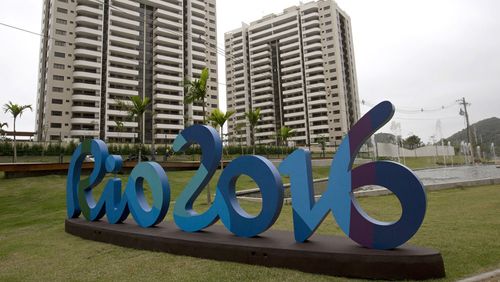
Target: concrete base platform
[330,255]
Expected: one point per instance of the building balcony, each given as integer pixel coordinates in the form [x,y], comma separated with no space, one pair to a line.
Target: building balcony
[85,109]
[86,86]
[85,31]
[83,10]
[167,5]
[168,126]
[167,50]
[161,106]
[94,133]
[85,63]
[128,135]
[295,75]
[123,81]
[317,102]
[131,24]
[86,121]
[88,20]
[127,32]
[161,67]
[291,107]
[293,83]
[161,86]
[295,115]
[166,14]
[169,116]
[317,53]
[86,75]
[85,98]
[122,92]
[123,71]
[87,53]
[123,61]
[172,24]
[295,122]
[294,99]
[168,78]
[125,42]
[293,91]
[123,51]
[167,59]
[311,23]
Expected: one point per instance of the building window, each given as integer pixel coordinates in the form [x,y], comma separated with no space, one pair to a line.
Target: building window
[60,43]
[58,77]
[57,101]
[60,32]
[62,11]
[57,113]
[55,125]
[61,21]
[57,89]
[59,66]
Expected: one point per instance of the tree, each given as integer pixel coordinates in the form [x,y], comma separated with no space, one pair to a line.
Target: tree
[1,127]
[136,110]
[413,142]
[197,90]
[253,119]
[322,143]
[219,118]
[120,126]
[16,111]
[237,130]
[285,133]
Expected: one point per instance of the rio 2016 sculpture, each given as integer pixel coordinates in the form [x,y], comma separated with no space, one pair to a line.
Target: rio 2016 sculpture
[307,213]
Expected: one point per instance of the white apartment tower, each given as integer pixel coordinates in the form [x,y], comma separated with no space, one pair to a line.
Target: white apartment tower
[298,68]
[97,52]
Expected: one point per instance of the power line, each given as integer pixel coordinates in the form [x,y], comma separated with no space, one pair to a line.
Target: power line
[414,110]
[67,42]
[218,49]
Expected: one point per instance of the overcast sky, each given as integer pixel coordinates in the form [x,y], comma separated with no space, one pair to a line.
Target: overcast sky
[418,54]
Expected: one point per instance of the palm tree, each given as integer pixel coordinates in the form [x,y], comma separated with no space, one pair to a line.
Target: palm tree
[253,118]
[237,129]
[1,127]
[197,90]
[136,111]
[322,143]
[16,111]
[119,127]
[285,133]
[219,118]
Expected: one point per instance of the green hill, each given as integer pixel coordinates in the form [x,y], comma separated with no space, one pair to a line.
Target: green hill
[485,132]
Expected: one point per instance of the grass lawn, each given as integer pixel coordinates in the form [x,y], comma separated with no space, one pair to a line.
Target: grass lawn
[462,223]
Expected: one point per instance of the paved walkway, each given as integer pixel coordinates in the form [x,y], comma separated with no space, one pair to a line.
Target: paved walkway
[487,276]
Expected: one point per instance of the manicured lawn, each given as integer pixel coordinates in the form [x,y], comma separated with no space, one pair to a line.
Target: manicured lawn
[462,223]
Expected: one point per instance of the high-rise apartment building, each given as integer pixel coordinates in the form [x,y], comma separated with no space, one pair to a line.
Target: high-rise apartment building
[298,68]
[98,52]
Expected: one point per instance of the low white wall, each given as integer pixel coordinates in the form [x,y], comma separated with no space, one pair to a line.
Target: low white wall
[391,150]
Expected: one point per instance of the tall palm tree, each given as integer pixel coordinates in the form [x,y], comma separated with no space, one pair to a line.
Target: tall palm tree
[16,111]
[197,90]
[219,118]
[253,119]
[285,133]
[237,129]
[120,126]
[136,111]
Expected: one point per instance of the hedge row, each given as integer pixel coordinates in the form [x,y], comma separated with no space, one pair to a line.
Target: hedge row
[54,149]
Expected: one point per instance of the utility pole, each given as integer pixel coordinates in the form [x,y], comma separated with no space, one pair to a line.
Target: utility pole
[463,103]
